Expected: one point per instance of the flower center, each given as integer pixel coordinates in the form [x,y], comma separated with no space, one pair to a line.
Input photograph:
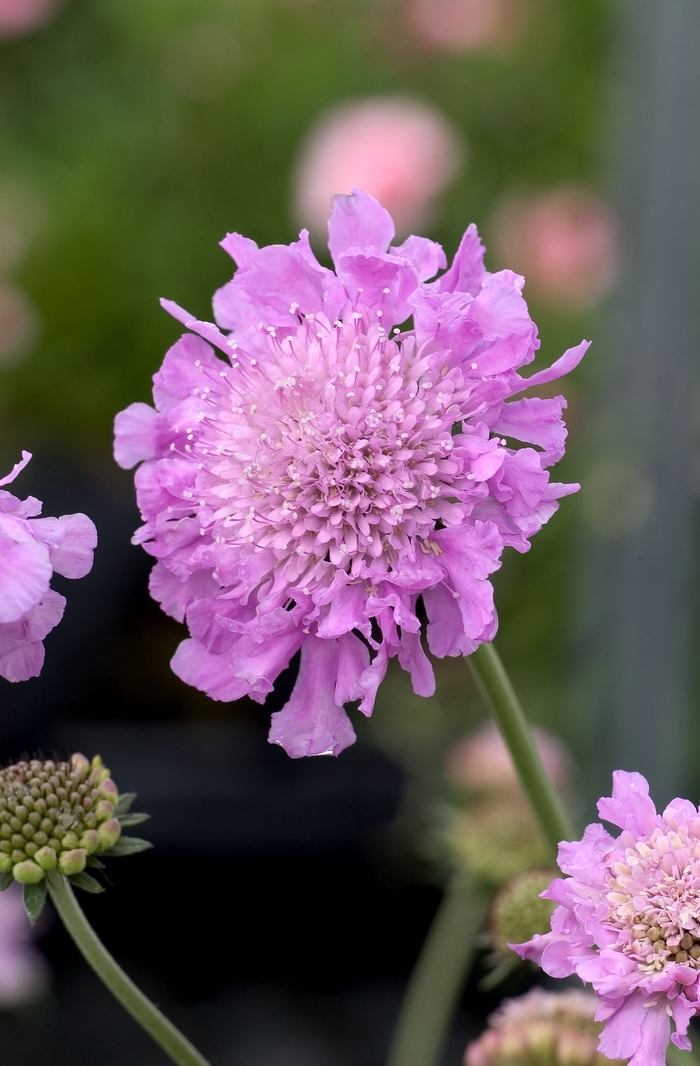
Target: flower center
[655,899]
[345,455]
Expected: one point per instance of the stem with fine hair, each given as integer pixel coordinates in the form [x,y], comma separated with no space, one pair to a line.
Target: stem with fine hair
[498,692]
[438,975]
[122,987]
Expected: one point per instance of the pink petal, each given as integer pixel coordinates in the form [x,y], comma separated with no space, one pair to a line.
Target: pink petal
[311,723]
[25,572]
[561,366]
[467,273]
[134,435]
[427,257]
[413,658]
[358,222]
[26,456]
[352,663]
[637,1031]
[71,540]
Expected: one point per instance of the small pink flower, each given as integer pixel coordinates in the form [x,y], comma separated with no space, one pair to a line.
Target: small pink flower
[465,25]
[565,242]
[628,921]
[23,971]
[482,760]
[19,17]
[303,490]
[31,550]
[401,152]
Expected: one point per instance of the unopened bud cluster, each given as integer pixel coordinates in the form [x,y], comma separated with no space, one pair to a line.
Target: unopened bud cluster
[541,1029]
[54,815]
[517,912]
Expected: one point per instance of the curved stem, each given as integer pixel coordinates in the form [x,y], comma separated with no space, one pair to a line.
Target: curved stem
[122,987]
[496,688]
[438,975]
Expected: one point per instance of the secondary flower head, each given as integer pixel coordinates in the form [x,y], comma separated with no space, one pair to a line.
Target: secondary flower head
[303,492]
[31,550]
[628,921]
[548,1028]
[53,815]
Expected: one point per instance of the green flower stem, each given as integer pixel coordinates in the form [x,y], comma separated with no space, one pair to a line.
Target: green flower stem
[497,690]
[122,987]
[439,975]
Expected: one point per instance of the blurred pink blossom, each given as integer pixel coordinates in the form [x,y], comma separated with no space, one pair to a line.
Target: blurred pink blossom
[18,17]
[465,25]
[482,761]
[23,971]
[402,153]
[565,243]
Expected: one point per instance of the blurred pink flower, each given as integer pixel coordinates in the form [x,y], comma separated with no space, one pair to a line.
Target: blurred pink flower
[401,152]
[564,241]
[18,17]
[465,25]
[482,761]
[23,971]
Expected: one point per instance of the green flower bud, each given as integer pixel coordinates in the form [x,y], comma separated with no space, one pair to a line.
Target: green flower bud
[109,833]
[104,810]
[49,815]
[72,862]
[108,790]
[46,858]
[517,912]
[27,872]
[90,840]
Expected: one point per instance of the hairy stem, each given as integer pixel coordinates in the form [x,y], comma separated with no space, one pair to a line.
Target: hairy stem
[498,692]
[122,987]
[439,975]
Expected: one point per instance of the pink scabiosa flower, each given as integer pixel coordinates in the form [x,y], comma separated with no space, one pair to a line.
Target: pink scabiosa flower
[305,491]
[31,549]
[628,921]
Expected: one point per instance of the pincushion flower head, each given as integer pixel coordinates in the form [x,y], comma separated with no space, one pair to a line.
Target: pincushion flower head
[307,485]
[628,921]
[31,550]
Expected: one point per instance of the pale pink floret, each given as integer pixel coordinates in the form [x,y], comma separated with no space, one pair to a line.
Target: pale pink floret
[628,921]
[305,490]
[31,550]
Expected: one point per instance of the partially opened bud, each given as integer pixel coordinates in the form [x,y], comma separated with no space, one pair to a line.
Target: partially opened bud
[27,872]
[541,1029]
[72,862]
[109,833]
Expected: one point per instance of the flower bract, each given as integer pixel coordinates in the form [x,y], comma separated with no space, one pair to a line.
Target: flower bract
[346,462]
[31,550]
[628,921]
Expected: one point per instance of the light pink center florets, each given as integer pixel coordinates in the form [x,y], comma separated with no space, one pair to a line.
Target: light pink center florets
[336,445]
[655,898]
